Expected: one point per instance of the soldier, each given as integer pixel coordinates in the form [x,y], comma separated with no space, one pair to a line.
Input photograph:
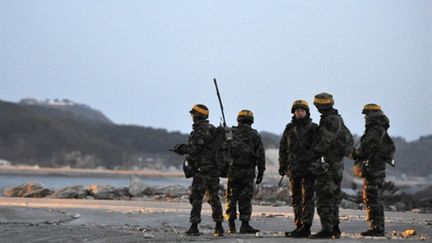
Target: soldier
[376,148]
[328,149]
[205,172]
[294,162]
[247,153]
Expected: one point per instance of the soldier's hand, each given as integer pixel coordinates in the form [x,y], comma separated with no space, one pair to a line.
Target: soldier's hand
[179,149]
[259,178]
[282,171]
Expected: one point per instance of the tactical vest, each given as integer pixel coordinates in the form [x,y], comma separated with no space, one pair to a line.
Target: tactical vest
[344,140]
[204,160]
[243,147]
[299,139]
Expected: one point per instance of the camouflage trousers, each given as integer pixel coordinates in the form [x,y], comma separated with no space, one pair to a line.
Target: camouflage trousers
[371,199]
[329,197]
[200,185]
[303,189]
[240,190]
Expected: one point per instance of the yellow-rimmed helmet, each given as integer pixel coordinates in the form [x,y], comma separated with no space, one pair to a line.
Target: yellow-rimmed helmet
[245,116]
[323,101]
[200,110]
[371,107]
[300,104]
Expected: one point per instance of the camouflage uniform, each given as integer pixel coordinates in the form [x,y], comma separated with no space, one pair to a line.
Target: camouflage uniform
[372,148]
[206,175]
[248,152]
[328,184]
[293,158]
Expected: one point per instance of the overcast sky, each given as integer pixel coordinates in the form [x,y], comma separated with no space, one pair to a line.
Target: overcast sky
[147,62]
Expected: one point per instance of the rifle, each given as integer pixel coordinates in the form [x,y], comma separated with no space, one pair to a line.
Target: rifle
[228,132]
[280,182]
[220,103]
[224,154]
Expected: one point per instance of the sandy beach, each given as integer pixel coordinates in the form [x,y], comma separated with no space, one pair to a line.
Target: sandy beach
[69,220]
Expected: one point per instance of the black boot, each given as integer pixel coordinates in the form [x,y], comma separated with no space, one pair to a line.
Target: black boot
[245,228]
[193,230]
[290,233]
[303,232]
[336,231]
[218,231]
[232,227]
[373,232]
[323,234]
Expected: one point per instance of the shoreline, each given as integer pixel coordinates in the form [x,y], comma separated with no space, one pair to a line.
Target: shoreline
[75,220]
[75,172]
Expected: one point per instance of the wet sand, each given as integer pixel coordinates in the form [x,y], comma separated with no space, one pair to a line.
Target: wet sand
[69,220]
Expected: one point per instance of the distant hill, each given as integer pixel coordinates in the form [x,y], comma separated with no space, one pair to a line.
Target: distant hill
[414,158]
[52,136]
[270,140]
[80,111]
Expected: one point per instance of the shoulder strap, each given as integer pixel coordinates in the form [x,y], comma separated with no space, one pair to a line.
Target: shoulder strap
[378,145]
[380,141]
[298,137]
[340,124]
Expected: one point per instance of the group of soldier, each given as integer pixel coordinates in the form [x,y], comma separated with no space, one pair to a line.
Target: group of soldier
[311,155]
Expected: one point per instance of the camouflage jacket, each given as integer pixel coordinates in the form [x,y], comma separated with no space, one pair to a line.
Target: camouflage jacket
[247,149]
[199,148]
[294,146]
[373,144]
[325,141]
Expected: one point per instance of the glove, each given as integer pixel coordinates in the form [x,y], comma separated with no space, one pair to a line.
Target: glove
[259,178]
[180,149]
[282,171]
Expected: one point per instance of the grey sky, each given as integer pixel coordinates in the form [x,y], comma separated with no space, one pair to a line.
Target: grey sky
[147,62]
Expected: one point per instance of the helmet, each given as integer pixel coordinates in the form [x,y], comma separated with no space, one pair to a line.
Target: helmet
[371,107]
[323,101]
[300,104]
[200,110]
[245,116]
